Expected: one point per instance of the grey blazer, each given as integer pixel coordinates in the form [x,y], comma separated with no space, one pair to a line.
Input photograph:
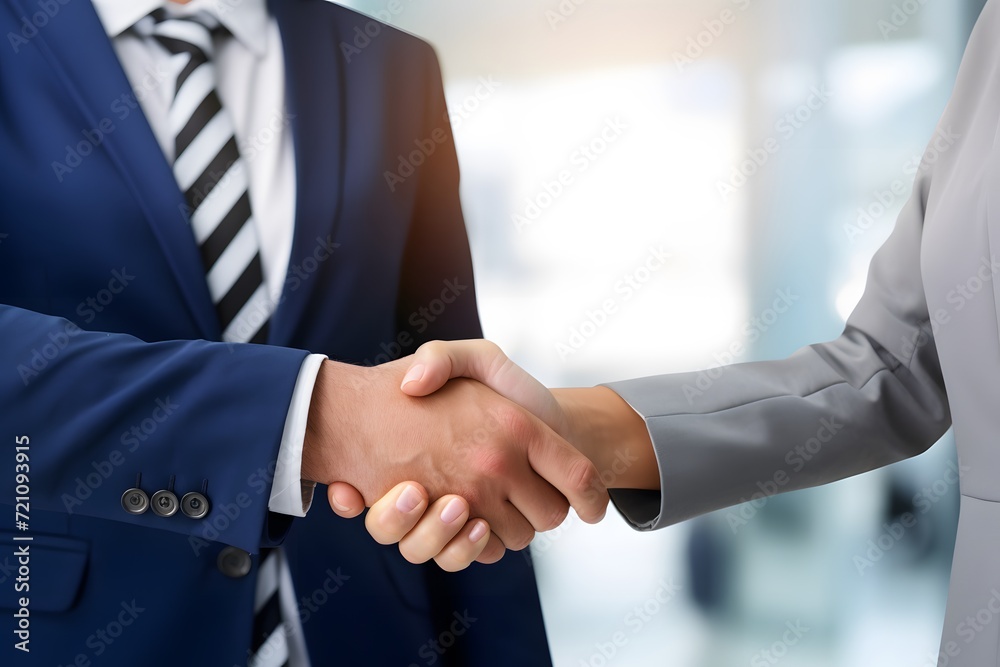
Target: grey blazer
[920,352]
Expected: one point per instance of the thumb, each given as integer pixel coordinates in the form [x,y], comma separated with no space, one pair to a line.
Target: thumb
[345,500]
[434,363]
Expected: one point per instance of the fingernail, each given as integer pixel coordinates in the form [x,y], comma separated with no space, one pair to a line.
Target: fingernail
[338,505]
[408,500]
[478,532]
[452,510]
[413,375]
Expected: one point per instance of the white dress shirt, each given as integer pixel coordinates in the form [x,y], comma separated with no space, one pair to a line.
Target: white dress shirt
[251,84]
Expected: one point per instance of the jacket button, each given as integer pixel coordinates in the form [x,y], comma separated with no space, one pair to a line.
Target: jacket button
[164,503]
[234,562]
[194,505]
[135,501]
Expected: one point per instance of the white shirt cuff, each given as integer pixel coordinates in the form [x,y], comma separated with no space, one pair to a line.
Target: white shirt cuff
[289,493]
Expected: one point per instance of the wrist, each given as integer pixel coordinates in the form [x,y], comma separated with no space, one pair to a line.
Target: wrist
[322,447]
[612,435]
[583,426]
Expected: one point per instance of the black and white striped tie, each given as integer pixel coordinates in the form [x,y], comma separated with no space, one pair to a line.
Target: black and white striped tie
[269,646]
[214,179]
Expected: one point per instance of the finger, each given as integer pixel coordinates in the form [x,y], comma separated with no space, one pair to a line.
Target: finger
[493,552]
[540,503]
[571,473]
[465,547]
[439,525]
[394,514]
[434,363]
[515,531]
[345,500]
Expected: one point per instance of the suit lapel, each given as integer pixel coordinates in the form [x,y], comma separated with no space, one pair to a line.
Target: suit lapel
[76,45]
[314,93]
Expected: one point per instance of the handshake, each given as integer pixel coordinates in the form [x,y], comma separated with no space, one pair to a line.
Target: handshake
[461,454]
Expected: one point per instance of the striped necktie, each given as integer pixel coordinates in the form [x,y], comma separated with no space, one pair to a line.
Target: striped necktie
[269,645]
[214,180]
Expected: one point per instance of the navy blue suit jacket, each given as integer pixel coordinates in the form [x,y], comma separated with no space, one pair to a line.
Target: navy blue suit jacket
[108,372]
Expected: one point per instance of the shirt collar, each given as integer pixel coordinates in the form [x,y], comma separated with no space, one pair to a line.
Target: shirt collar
[247,20]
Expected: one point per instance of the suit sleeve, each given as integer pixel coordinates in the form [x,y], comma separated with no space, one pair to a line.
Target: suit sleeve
[104,412]
[872,397]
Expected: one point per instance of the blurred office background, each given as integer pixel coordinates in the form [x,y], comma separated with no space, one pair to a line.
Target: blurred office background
[766,147]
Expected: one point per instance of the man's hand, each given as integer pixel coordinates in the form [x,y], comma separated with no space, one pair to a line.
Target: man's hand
[596,420]
[514,471]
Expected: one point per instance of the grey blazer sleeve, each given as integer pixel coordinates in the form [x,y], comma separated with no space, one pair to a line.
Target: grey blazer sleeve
[872,397]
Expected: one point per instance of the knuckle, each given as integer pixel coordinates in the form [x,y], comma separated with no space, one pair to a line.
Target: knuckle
[474,497]
[433,348]
[493,552]
[495,355]
[555,518]
[581,476]
[516,423]
[450,562]
[519,540]
[377,532]
[412,554]
[491,463]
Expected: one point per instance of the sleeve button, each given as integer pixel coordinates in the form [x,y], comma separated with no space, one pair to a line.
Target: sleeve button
[233,562]
[135,501]
[194,505]
[164,503]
